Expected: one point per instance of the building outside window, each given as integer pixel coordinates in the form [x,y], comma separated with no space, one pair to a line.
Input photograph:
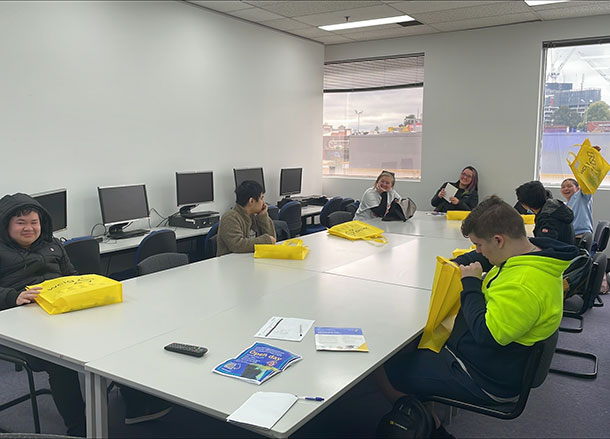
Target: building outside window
[373,117]
[576,97]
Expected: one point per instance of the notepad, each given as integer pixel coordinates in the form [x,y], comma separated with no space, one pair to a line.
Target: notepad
[263,409]
[285,328]
[450,191]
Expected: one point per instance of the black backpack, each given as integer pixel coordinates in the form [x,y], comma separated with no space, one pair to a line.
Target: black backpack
[408,419]
[576,276]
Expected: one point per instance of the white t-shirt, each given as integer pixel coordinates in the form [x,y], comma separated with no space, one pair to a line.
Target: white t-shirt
[371,199]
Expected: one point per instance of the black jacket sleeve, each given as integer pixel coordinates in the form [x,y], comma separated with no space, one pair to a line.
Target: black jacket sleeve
[474,309]
[473,256]
[468,201]
[8,298]
[435,199]
[383,204]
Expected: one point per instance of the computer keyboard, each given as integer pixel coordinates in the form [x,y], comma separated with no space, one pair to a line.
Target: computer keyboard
[128,234]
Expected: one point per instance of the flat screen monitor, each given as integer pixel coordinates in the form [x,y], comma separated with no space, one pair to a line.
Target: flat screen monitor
[290,181]
[255,174]
[56,203]
[193,188]
[122,204]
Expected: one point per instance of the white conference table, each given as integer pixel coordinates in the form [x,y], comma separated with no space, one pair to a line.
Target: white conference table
[329,300]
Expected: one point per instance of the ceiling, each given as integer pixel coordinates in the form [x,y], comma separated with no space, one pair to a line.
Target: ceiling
[302,17]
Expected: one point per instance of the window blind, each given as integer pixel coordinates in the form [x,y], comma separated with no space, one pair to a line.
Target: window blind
[374,74]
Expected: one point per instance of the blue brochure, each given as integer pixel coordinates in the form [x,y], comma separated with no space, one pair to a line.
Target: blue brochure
[340,339]
[258,363]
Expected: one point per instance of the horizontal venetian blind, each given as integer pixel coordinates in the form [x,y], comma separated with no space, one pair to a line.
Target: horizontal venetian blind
[374,74]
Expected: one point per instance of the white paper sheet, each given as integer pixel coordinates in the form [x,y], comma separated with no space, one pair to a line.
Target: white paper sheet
[285,328]
[263,409]
[450,191]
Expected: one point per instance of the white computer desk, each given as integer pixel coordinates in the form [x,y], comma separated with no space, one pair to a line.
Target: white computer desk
[116,245]
[330,300]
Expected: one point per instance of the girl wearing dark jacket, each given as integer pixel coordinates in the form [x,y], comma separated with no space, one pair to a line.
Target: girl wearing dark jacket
[466,197]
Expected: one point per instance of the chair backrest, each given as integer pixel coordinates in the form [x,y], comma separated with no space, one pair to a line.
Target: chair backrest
[339,217]
[282,232]
[602,233]
[346,202]
[84,253]
[208,251]
[159,241]
[541,362]
[332,205]
[598,271]
[273,212]
[586,241]
[291,213]
[161,261]
[352,208]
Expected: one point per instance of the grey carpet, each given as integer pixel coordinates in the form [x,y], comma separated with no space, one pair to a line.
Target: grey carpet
[562,407]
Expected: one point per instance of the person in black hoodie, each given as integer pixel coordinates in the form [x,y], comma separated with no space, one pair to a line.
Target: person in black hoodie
[30,255]
[466,197]
[553,218]
[519,303]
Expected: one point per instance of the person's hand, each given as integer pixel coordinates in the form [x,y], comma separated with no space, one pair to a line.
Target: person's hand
[273,240]
[472,270]
[598,148]
[442,193]
[454,200]
[264,209]
[27,296]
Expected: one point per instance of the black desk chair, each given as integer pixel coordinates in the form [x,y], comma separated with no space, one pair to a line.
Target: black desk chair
[209,248]
[291,214]
[586,241]
[84,253]
[161,261]
[159,241]
[273,212]
[282,232]
[346,202]
[332,205]
[339,217]
[536,370]
[13,357]
[601,235]
[352,208]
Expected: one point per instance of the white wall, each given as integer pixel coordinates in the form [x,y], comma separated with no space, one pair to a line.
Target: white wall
[480,85]
[105,93]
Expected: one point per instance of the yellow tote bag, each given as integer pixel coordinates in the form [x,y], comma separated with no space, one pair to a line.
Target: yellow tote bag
[354,230]
[589,167]
[289,249]
[528,219]
[458,215]
[460,251]
[71,293]
[444,305]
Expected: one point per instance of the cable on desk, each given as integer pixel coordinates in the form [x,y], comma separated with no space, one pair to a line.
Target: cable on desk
[93,228]
[164,219]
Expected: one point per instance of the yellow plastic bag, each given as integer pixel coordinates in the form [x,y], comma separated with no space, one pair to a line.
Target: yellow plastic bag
[71,293]
[444,305]
[528,219]
[589,167]
[354,230]
[458,215]
[289,249]
[460,251]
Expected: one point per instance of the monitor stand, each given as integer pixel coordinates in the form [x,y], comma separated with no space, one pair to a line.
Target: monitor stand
[116,232]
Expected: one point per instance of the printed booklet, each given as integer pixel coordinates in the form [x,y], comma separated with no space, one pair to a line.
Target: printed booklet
[258,363]
[340,339]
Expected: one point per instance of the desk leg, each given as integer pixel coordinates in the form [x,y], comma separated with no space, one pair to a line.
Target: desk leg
[97,406]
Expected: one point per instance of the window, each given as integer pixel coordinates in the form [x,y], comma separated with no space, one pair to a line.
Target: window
[373,117]
[576,97]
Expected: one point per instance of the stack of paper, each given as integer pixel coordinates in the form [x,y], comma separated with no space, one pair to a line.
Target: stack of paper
[340,339]
[285,328]
[263,409]
[258,363]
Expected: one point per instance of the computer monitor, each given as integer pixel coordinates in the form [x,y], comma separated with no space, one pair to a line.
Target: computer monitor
[121,205]
[254,174]
[56,203]
[290,181]
[193,188]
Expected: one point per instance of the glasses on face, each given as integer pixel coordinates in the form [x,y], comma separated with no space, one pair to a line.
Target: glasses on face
[467,175]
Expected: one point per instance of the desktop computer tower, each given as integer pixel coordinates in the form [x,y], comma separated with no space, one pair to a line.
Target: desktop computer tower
[193,223]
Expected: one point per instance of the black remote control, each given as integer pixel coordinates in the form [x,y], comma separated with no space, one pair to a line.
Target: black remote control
[187,349]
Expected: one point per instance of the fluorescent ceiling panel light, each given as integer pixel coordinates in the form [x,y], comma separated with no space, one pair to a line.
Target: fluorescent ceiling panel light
[543,2]
[366,23]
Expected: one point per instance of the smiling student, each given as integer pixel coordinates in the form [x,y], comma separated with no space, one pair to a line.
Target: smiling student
[581,205]
[376,200]
[466,197]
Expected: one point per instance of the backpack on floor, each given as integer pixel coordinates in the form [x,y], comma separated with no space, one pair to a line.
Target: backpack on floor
[408,419]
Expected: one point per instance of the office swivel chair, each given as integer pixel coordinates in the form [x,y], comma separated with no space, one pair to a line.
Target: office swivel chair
[273,212]
[161,261]
[536,370]
[84,253]
[352,208]
[575,307]
[586,241]
[13,357]
[332,205]
[601,235]
[209,244]
[339,217]
[159,241]
[291,214]
[282,232]
[346,202]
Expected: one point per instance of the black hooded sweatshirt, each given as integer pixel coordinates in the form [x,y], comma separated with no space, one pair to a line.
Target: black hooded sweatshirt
[45,259]
[555,221]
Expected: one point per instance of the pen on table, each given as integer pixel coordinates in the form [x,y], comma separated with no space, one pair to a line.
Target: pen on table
[311,398]
[300,330]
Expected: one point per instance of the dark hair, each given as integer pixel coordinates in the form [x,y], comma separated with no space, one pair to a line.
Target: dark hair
[246,190]
[474,183]
[532,194]
[573,180]
[494,217]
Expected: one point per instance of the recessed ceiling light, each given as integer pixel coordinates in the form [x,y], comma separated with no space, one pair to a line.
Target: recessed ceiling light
[543,2]
[366,23]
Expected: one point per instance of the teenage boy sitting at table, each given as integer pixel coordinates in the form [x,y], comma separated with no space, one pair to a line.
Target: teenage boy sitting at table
[519,303]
